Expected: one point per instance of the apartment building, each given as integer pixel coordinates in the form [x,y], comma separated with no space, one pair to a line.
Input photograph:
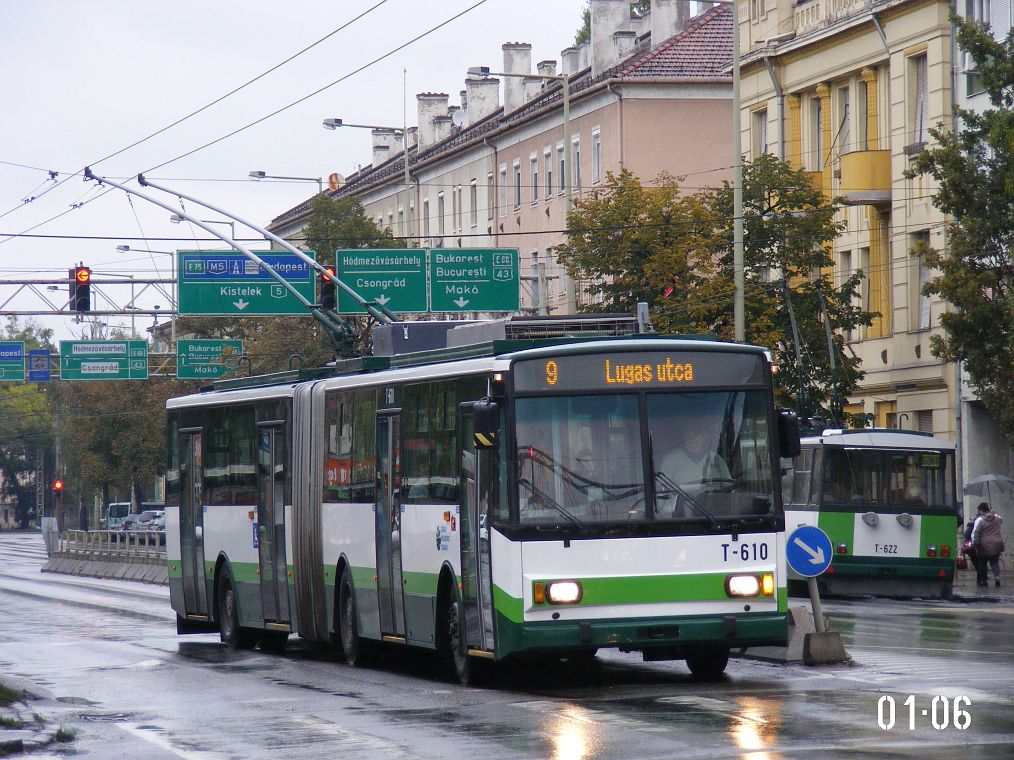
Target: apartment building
[649,93]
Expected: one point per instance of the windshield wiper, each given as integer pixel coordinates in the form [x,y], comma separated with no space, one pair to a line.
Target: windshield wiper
[672,487]
[549,501]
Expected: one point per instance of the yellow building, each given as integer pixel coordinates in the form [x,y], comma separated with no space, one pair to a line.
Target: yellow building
[847,90]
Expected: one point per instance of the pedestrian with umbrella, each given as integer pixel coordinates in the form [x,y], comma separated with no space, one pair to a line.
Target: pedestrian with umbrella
[987,540]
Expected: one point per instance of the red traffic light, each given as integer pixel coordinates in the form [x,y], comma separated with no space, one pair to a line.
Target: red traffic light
[57,485]
[330,270]
[82,274]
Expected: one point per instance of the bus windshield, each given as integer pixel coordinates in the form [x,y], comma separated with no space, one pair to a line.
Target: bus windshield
[584,460]
[891,479]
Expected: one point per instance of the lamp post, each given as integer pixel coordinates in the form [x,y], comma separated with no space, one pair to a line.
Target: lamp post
[483,72]
[177,219]
[334,123]
[173,294]
[259,175]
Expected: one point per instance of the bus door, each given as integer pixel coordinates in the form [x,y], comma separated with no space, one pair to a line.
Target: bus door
[476,481]
[388,526]
[271,521]
[195,588]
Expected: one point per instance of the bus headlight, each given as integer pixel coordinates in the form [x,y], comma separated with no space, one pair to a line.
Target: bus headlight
[750,585]
[563,592]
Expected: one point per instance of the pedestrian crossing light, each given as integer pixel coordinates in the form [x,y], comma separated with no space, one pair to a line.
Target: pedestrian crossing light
[81,289]
[328,291]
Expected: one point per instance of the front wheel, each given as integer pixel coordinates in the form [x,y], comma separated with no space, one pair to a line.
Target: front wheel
[231,632]
[707,664]
[453,649]
[348,625]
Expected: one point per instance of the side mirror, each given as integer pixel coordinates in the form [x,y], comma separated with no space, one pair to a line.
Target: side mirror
[788,433]
[485,423]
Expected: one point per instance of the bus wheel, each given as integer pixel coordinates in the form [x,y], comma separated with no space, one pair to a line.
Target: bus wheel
[229,628]
[348,628]
[453,652]
[708,663]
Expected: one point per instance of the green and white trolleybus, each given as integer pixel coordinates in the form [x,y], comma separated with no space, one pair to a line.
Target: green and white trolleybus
[535,497]
[886,499]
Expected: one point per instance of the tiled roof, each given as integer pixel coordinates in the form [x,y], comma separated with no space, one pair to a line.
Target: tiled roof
[700,51]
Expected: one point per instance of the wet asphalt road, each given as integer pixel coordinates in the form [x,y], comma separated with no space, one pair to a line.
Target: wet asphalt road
[107,655]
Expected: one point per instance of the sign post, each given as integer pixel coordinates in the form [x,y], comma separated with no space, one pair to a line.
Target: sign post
[228,283]
[808,552]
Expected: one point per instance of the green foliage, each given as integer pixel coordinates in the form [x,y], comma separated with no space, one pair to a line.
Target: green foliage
[674,251]
[583,33]
[341,223]
[974,169]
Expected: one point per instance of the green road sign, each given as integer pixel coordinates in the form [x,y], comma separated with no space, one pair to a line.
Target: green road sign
[474,279]
[12,361]
[395,278]
[230,284]
[103,360]
[198,359]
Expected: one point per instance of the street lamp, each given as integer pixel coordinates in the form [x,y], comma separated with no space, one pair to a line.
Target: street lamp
[173,295]
[483,72]
[177,219]
[259,175]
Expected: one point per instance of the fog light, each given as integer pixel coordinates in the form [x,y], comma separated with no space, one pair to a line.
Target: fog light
[931,551]
[768,584]
[742,585]
[563,592]
[842,548]
[539,592]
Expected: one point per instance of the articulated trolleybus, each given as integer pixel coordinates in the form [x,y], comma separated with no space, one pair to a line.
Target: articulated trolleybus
[886,500]
[542,498]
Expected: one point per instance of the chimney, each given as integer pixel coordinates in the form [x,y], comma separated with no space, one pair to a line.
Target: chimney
[546,68]
[429,105]
[624,45]
[583,55]
[441,127]
[570,60]
[607,17]
[667,18]
[517,59]
[464,108]
[532,88]
[413,137]
[386,143]
[483,98]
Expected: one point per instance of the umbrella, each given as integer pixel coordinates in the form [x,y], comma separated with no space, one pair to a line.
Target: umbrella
[984,485]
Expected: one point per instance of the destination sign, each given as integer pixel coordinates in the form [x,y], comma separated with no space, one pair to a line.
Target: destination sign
[228,283]
[103,360]
[619,371]
[479,279]
[12,361]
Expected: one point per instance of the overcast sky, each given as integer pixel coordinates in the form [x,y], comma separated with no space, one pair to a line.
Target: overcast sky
[83,80]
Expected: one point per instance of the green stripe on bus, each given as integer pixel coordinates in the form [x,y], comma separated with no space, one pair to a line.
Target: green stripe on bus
[839,526]
[420,583]
[509,606]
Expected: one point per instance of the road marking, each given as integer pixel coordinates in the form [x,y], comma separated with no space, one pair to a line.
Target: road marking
[161,741]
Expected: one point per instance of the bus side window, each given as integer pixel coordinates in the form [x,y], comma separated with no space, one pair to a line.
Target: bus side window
[801,476]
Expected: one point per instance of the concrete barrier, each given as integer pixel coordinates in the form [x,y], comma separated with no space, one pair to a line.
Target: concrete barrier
[136,556]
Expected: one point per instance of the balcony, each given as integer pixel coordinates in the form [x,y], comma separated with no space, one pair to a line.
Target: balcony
[866,177]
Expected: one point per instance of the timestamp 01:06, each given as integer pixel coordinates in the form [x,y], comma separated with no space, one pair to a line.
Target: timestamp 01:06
[939,712]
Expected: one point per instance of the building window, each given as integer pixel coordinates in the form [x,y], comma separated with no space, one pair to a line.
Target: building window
[576,155]
[401,222]
[458,210]
[473,203]
[760,133]
[920,244]
[918,67]
[596,156]
[864,291]
[441,214]
[757,9]
[844,119]
[924,419]
[426,217]
[862,115]
[548,161]
[562,163]
[501,195]
[517,184]
[816,134]
[490,195]
[533,164]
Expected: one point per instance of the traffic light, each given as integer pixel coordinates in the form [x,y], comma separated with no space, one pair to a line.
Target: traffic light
[57,485]
[81,289]
[328,290]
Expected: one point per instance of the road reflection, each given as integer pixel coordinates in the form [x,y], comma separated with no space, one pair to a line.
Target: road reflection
[570,734]
[755,726]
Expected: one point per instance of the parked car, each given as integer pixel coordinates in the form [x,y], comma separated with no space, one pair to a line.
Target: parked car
[129,523]
[143,521]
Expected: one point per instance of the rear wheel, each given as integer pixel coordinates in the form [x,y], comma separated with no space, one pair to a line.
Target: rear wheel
[348,626]
[708,663]
[453,650]
[230,630]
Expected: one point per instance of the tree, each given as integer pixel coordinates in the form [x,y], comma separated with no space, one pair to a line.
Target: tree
[674,251]
[974,169]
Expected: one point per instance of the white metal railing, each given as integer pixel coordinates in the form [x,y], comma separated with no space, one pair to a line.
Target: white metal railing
[112,544]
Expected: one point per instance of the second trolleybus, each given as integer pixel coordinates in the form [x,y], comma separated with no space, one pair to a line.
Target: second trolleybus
[537,498]
[886,499]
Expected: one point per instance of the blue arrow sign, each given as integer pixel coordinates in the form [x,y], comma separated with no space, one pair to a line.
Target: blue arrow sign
[808,551]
